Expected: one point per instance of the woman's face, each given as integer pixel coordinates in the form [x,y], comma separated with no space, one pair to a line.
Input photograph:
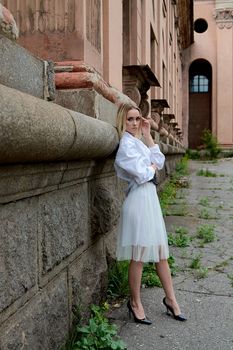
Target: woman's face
[133,122]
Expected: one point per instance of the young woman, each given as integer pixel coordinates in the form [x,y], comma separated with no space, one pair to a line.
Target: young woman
[142,236]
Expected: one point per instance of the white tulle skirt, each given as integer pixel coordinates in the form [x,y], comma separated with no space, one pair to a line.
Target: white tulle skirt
[142,232]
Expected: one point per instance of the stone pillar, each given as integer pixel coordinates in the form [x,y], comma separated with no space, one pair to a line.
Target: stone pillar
[137,79]
[224,49]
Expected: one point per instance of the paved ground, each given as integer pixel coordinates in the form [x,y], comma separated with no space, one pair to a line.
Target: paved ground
[204,294]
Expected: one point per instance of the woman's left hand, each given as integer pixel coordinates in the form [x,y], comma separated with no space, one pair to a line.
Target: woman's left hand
[145,127]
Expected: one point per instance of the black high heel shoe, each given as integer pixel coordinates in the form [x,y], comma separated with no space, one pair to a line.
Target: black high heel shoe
[170,310]
[137,320]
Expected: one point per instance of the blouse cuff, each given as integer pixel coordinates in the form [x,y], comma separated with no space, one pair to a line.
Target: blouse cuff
[155,147]
[151,168]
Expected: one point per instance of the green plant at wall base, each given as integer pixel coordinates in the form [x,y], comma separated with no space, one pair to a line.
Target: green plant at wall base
[149,276]
[98,333]
[210,143]
[182,167]
[193,154]
[167,195]
[169,191]
[118,280]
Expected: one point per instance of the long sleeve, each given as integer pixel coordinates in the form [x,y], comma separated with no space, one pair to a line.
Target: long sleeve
[133,163]
[157,157]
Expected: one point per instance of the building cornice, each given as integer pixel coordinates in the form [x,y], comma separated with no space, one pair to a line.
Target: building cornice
[223,18]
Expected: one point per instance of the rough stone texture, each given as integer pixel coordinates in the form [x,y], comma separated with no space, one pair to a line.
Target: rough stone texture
[34,130]
[42,323]
[22,181]
[87,277]
[63,224]
[32,70]
[68,224]
[18,250]
[89,102]
[8,26]
[105,205]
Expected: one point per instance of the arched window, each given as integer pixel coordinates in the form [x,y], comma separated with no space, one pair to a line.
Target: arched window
[199,83]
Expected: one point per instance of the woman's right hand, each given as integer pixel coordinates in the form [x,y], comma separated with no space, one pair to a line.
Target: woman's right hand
[153,166]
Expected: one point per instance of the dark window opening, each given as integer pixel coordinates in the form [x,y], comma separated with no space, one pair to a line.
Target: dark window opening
[200,25]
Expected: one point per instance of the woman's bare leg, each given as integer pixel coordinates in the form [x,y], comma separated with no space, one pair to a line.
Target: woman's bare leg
[164,274]
[135,276]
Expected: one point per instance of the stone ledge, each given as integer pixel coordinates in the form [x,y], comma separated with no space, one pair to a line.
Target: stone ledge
[28,180]
[33,130]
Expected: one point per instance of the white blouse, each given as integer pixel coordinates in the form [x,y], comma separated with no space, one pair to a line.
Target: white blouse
[133,160]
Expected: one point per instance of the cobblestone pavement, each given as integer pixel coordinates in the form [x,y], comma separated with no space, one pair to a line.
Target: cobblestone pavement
[205,294]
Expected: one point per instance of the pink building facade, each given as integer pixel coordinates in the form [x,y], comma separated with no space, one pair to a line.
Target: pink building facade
[207,74]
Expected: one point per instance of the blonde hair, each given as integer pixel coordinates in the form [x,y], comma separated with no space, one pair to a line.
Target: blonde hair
[121,117]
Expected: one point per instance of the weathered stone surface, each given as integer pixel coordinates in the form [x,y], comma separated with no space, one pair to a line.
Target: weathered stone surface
[87,277]
[31,69]
[8,26]
[18,250]
[23,181]
[89,102]
[105,205]
[63,224]
[34,130]
[42,323]
[79,75]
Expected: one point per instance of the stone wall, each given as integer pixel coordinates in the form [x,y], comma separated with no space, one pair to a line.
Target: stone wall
[58,228]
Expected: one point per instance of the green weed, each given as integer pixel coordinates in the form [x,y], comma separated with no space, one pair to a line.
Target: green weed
[210,143]
[169,191]
[193,154]
[179,238]
[204,201]
[172,264]
[230,276]
[204,214]
[149,276]
[206,233]
[196,262]
[202,272]
[206,173]
[98,333]
[118,280]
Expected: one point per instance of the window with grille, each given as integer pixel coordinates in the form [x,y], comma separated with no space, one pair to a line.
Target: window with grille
[199,83]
